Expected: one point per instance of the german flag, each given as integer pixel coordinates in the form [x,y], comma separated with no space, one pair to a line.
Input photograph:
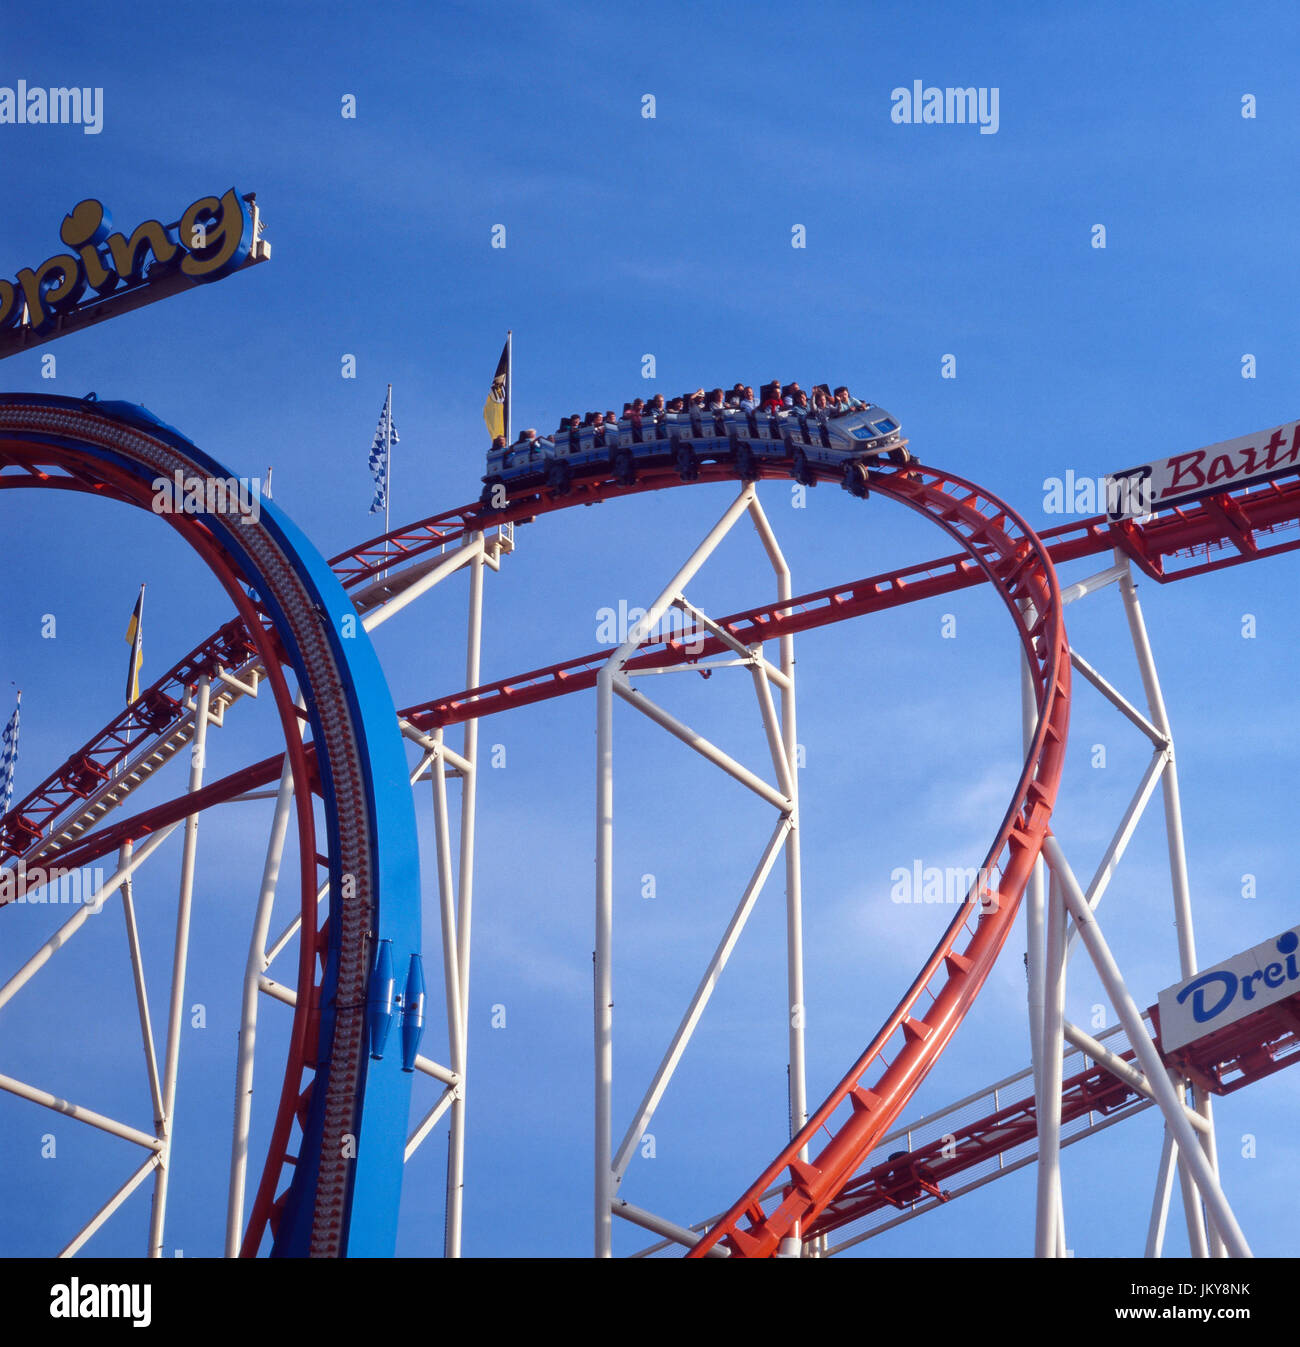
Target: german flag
[496,410]
[135,639]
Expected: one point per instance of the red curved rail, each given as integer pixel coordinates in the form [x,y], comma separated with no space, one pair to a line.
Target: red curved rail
[857,1113]
[1208,535]
[1186,541]
[1007,554]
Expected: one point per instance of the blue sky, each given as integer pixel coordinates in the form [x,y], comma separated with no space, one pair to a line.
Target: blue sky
[671,236]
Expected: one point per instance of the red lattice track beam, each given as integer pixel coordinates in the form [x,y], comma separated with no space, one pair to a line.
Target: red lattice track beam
[1182,533]
[157,711]
[1021,568]
[893,1183]
[1242,1052]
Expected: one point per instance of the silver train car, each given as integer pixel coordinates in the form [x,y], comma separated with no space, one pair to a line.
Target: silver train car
[685,440]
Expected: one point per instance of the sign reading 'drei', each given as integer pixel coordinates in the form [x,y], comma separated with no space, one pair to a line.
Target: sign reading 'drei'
[1230,991]
[1204,472]
[103,273]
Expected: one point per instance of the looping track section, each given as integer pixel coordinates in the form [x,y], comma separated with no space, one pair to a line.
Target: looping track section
[783,1203]
[330,1203]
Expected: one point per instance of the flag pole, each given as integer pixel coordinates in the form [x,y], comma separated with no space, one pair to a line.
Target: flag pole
[388,469]
[510,361]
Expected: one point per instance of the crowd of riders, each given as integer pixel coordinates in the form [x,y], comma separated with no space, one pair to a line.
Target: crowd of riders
[774,399]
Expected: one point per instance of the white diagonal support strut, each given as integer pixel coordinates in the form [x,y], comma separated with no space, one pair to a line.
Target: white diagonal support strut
[610,1166]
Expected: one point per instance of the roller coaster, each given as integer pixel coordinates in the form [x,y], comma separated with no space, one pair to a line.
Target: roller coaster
[849,1162]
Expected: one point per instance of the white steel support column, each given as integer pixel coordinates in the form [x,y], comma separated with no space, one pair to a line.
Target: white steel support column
[609,678]
[1049,1237]
[1168,1098]
[602,972]
[464,906]
[254,968]
[1160,1202]
[1177,850]
[795,1003]
[180,960]
[452,986]
[1035,948]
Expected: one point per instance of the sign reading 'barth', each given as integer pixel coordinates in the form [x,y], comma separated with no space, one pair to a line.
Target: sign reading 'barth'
[1230,991]
[1226,466]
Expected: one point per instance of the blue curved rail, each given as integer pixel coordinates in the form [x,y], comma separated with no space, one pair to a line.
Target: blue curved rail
[346,1186]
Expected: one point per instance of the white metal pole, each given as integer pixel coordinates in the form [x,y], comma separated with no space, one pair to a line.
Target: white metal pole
[141,994]
[703,991]
[388,468]
[1035,947]
[254,968]
[796,1004]
[75,1245]
[1177,848]
[1049,1239]
[1160,1202]
[464,906]
[452,985]
[603,984]
[1145,1050]
[180,960]
[795,995]
[78,919]
[602,973]
[86,1115]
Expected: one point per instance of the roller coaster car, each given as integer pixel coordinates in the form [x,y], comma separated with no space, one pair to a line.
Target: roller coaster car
[684,440]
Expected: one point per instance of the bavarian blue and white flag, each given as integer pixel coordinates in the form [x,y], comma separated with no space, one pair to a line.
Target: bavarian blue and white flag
[9,758]
[385,437]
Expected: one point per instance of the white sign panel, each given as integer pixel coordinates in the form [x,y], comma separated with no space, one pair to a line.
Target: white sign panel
[1230,991]
[1228,466]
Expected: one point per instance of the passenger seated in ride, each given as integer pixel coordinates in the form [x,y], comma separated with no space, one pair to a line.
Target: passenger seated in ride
[747,402]
[770,398]
[821,403]
[676,405]
[656,405]
[595,422]
[526,446]
[716,402]
[846,402]
[800,400]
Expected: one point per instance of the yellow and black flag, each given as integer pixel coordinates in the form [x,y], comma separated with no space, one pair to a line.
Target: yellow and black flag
[135,639]
[496,410]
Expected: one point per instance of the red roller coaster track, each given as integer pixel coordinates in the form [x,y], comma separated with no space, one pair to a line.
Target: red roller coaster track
[999,549]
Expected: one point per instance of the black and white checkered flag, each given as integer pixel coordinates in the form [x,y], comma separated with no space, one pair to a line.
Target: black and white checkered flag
[385,438]
[9,758]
